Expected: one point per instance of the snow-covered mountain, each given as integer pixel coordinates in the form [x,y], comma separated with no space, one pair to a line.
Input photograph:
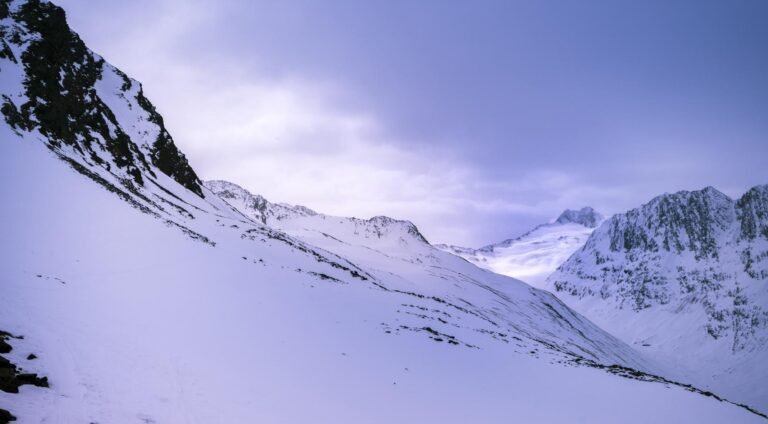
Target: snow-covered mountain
[684,278]
[257,207]
[533,256]
[393,237]
[136,294]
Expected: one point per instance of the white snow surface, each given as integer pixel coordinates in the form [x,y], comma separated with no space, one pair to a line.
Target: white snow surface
[531,257]
[134,321]
[150,304]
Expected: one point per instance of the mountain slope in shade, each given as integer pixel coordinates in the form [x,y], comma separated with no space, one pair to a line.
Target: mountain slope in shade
[147,298]
[533,256]
[684,278]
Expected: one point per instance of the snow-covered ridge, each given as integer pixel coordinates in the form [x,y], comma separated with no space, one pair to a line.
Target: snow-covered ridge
[586,216]
[696,261]
[533,256]
[255,206]
[373,232]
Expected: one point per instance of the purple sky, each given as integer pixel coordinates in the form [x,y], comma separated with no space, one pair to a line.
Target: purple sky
[475,120]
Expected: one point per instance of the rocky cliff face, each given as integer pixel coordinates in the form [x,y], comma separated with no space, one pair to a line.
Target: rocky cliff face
[56,87]
[586,216]
[752,216]
[697,261]
[695,247]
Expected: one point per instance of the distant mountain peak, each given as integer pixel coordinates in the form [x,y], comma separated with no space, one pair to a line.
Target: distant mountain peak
[585,216]
[536,253]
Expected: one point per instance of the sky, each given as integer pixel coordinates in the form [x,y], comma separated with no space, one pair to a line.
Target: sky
[475,120]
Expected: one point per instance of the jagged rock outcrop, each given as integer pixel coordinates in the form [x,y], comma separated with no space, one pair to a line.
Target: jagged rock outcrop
[65,94]
[695,260]
[585,216]
[679,246]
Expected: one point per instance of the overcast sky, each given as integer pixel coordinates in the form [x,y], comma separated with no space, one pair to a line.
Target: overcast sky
[473,119]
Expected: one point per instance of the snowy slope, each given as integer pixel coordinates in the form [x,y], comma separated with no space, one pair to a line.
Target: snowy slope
[533,256]
[685,279]
[147,298]
[398,258]
[395,245]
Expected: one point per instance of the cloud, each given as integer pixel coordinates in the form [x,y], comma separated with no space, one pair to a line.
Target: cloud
[290,142]
[300,137]
[292,139]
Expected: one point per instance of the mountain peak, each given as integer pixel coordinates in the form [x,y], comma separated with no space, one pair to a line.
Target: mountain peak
[409,226]
[76,101]
[255,205]
[708,194]
[585,216]
[279,214]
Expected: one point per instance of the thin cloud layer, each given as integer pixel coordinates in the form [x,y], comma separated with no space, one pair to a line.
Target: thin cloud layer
[360,111]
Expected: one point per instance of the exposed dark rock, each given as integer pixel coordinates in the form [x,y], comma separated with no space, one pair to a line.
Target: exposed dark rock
[64,105]
[752,211]
[166,156]
[11,379]
[674,223]
[6,417]
[679,250]
[586,216]
[5,347]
